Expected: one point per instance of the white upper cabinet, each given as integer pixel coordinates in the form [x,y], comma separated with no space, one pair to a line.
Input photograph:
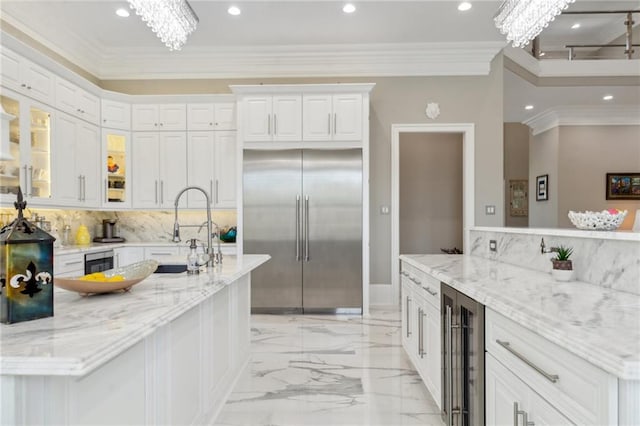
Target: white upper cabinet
[212,166]
[25,77]
[77,101]
[77,154]
[332,117]
[211,116]
[159,165]
[272,118]
[116,115]
[152,117]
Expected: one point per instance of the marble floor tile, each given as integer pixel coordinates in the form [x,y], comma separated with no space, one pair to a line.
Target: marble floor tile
[329,370]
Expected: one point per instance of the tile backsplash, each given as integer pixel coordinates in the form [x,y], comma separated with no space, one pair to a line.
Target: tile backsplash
[138,226]
[610,263]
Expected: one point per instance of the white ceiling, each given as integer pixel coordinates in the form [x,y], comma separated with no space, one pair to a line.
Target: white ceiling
[316,36]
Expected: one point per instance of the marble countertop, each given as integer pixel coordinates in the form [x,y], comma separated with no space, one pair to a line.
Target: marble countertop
[106,246]
[599,325]
[86,332]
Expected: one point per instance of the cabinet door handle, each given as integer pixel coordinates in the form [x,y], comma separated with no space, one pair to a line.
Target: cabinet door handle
[431,292]
[30,187]
[106,191]
[306,228]
[268,124]
[79,187]
[211,187]
[156,192]
[420,332]
[161,191]
[298,228]
[217,200]
[329,123]
[275,124]
[423,315]
[84,188]
[551,377]
[408,307]
[335,123]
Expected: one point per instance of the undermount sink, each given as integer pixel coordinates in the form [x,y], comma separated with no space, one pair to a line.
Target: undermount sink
[171,269]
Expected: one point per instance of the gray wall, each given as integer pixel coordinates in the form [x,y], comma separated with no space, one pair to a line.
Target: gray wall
[430,192]
[543,157]
[516,166]
[577,159]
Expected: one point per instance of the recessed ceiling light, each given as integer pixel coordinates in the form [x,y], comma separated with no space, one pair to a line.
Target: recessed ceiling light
[607,97]
[528,107]
[123,13]
[234,10]
[465,5]
[575,26]
[349,8]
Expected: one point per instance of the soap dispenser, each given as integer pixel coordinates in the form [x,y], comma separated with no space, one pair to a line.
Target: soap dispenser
[193,266]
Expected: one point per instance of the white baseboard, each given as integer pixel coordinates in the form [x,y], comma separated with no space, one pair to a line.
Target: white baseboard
[382,295]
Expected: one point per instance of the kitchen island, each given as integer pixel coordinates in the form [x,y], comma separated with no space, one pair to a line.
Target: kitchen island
[573,344]
[166,352]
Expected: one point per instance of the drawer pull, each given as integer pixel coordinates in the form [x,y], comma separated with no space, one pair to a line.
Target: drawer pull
[551,377]
[161,254]
[431,292]
[73,263]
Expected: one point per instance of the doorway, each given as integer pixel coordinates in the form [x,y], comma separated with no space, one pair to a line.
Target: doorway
[430,199]
[400,131]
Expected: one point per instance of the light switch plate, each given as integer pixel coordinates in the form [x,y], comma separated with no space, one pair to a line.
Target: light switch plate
[490,210]
[384,209]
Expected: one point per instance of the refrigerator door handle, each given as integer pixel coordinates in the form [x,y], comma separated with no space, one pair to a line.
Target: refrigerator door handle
[306,228]
[297,228]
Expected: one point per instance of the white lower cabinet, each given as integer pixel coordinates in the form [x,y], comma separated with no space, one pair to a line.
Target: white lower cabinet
[123,256]
[510,402]
[68,265]
[554,386]
[421,327]
[161,253]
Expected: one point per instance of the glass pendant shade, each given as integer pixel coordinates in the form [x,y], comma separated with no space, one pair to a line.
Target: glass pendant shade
[522,20]
[171,20]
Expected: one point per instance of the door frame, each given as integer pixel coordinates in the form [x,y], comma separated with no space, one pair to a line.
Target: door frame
[468,185]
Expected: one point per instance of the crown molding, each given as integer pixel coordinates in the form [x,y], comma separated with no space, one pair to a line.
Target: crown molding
[577,68]
[618,115]
[351,60]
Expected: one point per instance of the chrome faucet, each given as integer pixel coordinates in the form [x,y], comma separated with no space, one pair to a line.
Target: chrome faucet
[213,257]
[544,249]
[218,254]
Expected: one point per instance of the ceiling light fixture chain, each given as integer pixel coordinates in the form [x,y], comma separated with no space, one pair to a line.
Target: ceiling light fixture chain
[522,20]
[171,20]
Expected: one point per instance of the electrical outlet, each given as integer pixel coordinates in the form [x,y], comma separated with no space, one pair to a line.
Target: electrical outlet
[384,209]
[490,210]
[493,245]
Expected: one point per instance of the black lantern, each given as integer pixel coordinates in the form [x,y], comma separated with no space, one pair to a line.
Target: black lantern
[26,272]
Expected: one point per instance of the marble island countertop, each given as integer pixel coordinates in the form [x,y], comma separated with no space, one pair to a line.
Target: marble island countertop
[86,332]
[599,325]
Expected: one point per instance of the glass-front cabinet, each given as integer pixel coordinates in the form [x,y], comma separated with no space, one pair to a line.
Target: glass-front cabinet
[30,147]
[116,168]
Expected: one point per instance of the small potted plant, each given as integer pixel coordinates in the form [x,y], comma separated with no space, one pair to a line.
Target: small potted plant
[562,265]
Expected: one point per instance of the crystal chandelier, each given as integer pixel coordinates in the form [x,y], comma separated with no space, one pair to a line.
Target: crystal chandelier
[523,20]
[171,20]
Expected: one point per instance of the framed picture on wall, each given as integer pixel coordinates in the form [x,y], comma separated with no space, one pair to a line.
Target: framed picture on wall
[623,186]
[518,197]
[542,188]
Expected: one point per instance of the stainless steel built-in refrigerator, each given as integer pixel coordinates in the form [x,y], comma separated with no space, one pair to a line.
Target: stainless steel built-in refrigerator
[304,208]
